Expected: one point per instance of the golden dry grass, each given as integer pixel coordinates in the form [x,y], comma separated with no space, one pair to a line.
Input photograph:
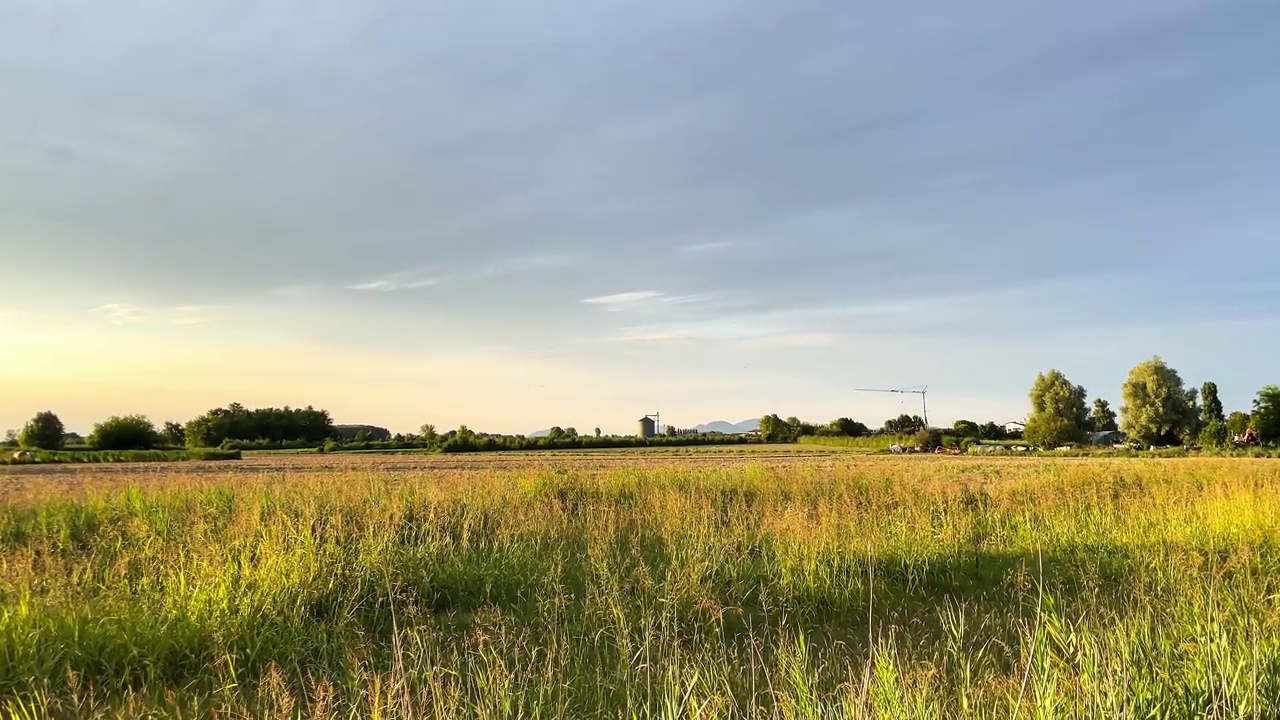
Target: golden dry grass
[727,582]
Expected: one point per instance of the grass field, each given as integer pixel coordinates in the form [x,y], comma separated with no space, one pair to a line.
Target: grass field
[711,583]
[121,456]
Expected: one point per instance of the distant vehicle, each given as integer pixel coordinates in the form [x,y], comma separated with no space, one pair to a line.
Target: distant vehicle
[1248,437]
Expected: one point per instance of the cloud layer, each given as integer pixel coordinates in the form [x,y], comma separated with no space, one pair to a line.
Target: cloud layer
[620,184]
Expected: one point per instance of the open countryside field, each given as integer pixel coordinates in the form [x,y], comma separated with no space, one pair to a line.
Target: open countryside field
[715,583]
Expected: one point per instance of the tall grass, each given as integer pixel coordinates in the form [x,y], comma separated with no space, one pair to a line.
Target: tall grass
[843,588]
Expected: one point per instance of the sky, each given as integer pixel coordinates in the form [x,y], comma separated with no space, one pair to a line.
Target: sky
[518,215]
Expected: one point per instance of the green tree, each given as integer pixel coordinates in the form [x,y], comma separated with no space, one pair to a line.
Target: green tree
[991,431]
[128,432]
[798,428]
[904,425]
[1266,413]
[967,428]
[273,425]
[1058,411]
[1101,416]
[768,427]
[1047,431]
[776,430]
[44,431]
[11,437]
[1238,423]
[1156,410]
[429,435]
[203,431]
[174,434]
[1214,434]
[597,432]
[1211,405]
[1190,431]
[849,427]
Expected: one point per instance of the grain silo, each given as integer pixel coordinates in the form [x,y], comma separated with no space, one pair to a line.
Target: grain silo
[646,428]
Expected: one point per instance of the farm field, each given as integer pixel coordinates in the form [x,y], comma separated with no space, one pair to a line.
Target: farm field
[724,582]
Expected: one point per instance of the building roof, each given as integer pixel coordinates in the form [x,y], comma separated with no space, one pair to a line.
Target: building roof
[1104,435]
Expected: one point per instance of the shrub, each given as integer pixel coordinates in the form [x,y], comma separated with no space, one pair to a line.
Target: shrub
[870,442]
[127,432]
[928,439]
[125,456]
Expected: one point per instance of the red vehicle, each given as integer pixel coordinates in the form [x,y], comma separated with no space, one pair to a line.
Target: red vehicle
[1249,437]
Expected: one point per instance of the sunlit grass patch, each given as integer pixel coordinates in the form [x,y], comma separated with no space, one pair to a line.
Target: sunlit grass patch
[824,587]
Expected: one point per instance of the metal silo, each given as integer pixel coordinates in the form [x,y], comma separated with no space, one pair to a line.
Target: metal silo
[646,428]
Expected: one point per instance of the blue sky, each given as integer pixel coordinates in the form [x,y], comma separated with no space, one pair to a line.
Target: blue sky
[516,216]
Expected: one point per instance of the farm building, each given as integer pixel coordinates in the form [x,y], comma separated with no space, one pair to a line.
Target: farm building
[1106,437]
[646,428]
[1014,428]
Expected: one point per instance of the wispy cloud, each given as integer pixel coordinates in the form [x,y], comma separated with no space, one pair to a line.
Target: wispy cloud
[654,338]
[431,276]
[682,299]
[706,247]
[792,340]
[394,285]
[514,266]
[853,205]
[119,313]
[412,279]
[624,298]
[129,314]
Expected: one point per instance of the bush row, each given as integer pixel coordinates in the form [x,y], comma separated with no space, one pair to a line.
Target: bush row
[117,456]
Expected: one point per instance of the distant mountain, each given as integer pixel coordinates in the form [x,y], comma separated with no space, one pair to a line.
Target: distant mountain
[540,433]
[728,428]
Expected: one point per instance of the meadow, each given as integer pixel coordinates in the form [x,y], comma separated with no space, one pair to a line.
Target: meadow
[718,583]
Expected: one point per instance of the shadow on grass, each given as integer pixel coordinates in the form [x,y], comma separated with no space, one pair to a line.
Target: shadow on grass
[841,604]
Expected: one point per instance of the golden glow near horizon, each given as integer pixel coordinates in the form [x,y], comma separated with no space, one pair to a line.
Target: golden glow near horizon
[89,365]
[86,371]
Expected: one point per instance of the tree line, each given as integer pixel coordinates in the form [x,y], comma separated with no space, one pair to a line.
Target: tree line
[218,427]
[236,427]
[1158,409]
[774,429]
